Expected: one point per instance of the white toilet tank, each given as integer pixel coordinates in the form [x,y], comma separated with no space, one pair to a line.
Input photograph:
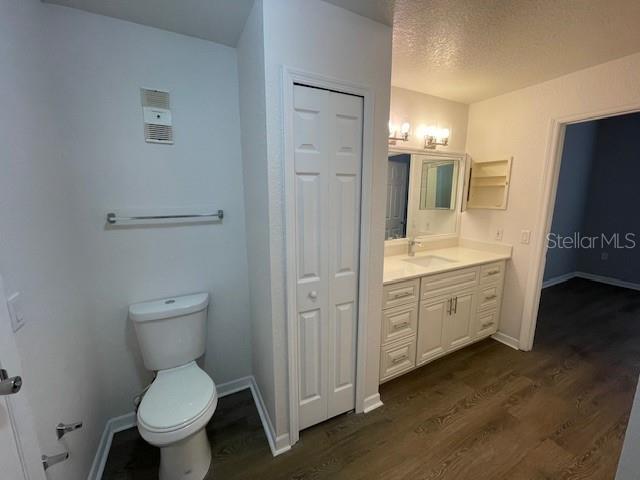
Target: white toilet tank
[171,331]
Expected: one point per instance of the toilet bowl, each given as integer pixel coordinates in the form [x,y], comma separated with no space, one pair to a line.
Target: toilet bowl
[179,403]
[173,415]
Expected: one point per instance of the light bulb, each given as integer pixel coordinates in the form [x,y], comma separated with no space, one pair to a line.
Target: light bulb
[432,131]
[405,128]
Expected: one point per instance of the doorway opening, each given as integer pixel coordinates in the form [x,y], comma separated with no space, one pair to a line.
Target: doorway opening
[594,235]
[590,296]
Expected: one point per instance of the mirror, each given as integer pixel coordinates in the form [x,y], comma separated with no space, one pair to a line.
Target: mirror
[437,185]
[422,191]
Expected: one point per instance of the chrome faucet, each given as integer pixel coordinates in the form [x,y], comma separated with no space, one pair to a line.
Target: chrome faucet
[412,247]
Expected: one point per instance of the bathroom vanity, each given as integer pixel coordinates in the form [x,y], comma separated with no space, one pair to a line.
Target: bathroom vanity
[448,294]
[436,302]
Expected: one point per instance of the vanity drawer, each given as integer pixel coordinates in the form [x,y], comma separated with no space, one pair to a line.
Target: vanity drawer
[489,297]
[491,273]
[443,284]
[397,358]
[399,322]
[487,323]
[400,293]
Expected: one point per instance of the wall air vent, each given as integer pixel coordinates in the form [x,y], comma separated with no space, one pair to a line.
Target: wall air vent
[158,126]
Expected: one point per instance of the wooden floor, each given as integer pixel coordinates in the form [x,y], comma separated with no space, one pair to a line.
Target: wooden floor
[485,412]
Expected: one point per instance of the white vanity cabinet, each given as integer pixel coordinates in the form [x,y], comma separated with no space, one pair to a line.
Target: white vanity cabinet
[452,309]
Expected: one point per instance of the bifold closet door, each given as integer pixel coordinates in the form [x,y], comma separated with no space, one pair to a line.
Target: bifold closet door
[328,161]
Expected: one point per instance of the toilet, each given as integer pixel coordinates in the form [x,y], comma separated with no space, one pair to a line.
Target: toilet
[181,400]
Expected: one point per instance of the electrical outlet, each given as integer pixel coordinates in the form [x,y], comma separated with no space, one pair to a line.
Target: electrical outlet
[604,256]
[499,232]
[15,311]
[525,237]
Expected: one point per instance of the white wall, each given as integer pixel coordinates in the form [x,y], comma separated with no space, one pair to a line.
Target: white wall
[518,124]
[100,65]
[255,168]
[318,37]
[41,253]
[75,151]
[422,109]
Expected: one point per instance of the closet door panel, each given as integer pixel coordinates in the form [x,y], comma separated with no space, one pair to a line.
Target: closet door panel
[327,158]
[345,162]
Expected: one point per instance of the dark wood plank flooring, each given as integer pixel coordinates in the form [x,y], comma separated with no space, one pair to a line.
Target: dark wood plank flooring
[485,412]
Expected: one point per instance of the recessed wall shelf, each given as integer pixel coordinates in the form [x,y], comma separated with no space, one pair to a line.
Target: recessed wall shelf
[488,186]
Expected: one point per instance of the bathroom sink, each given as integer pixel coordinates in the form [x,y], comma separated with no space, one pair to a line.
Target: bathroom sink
[430,261]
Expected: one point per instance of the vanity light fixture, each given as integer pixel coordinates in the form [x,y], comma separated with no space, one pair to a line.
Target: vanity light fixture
[435,137]
[399,136]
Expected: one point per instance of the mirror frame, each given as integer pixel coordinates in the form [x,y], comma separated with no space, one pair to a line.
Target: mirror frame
[435,154]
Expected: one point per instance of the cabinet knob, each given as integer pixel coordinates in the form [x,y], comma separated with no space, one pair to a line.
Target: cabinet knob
[313,294]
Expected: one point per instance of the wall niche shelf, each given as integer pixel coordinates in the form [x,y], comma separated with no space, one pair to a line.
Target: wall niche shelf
[488,186]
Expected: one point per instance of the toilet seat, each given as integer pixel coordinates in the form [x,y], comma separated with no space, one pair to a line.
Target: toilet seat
[178,403]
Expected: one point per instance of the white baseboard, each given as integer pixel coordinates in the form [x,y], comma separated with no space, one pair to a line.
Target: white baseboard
[608,280]
[113,426]
[508,340]
[593,277]
[371,403]
[559,279]
[278,444]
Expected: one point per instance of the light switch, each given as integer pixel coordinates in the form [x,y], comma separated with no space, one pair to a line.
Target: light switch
[499,232]
[525,237]
[15,311]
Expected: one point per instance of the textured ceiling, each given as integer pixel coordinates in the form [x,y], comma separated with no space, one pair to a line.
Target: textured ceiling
[220,21]
[469,50]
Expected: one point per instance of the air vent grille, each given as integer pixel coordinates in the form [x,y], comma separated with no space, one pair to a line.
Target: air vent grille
[158,133]
[155,98]
[158,125]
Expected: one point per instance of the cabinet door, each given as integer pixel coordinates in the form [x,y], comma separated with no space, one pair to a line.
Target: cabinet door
[433,316]
[458,329]
[487,184]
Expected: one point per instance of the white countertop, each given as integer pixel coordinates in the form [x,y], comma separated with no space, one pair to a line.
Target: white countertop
[397,269]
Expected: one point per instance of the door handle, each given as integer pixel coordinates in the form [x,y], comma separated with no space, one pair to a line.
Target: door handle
[449,306]
[455,305]
[313,294]
[9,386]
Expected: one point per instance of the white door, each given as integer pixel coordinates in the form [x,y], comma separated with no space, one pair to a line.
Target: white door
[459,328]
[327,131]
[397,182]
[431,321]
[19,452]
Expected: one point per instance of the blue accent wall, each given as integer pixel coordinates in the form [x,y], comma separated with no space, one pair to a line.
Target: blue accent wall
[571,196]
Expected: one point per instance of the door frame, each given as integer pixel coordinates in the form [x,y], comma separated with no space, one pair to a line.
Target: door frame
[19,413]
[290,77]
[549,187]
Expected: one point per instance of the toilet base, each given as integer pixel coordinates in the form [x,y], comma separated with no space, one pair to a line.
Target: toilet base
[188,459]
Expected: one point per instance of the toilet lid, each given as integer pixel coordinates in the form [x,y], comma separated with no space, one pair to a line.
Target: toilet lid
[176,398]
